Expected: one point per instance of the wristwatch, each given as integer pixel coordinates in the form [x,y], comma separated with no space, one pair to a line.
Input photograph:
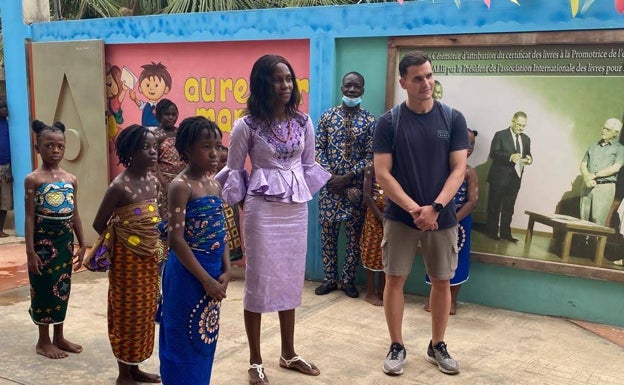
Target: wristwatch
[437,206]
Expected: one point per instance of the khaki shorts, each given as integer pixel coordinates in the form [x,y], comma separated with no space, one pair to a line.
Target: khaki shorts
[6,188]
[401,243]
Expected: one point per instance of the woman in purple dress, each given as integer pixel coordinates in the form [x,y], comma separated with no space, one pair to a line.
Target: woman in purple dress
[280,143]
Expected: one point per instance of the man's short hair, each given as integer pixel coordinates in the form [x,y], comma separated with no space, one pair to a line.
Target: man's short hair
[412,58]
[359,75]
[613,124]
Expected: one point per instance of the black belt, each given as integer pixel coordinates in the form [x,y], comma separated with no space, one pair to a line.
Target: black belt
[604,181]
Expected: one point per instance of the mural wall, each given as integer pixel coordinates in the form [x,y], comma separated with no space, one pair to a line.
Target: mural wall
[209,79]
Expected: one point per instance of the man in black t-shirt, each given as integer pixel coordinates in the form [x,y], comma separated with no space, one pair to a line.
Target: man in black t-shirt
[420,163]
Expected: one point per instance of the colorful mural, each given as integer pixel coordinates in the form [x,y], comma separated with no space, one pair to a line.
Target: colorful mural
[206,79]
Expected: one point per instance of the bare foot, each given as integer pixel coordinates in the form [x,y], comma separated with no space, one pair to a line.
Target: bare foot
[68,346]
[426,307]
[141,376]
[50,351]
[374,300]
[3,234]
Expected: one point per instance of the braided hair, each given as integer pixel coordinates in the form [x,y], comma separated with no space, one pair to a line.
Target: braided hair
[40,127]
[189,131]
[129,141]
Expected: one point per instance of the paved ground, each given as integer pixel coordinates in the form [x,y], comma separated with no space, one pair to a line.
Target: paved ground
[345,337]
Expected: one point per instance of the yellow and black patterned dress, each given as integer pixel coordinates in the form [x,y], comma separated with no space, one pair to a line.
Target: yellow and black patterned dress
[54,244]
[133,281]
[373,232]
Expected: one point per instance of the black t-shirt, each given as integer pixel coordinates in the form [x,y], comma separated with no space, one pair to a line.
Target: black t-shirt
[420,157]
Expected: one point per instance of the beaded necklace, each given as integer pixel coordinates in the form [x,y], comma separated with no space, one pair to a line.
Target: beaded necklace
[279,126]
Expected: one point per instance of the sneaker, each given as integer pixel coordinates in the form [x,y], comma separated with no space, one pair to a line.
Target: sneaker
[393,365]
[326,288]
[350,290]
[438,355]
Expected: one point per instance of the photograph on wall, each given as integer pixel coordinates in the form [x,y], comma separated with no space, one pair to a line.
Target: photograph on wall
[549,147]
[209,79]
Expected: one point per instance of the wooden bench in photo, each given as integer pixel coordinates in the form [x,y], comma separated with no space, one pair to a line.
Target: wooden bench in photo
[568,226]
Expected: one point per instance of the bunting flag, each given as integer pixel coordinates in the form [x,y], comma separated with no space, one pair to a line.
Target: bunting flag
[400,1]
[574,5]
[487,2]
[586,6]
[619,6]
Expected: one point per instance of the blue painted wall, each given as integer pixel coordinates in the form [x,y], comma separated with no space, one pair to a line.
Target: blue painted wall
[341,39]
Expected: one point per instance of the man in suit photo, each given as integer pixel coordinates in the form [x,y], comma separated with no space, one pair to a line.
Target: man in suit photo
[510,152]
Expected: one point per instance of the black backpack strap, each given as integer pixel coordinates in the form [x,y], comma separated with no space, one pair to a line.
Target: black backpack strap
[447,113]
[396,115]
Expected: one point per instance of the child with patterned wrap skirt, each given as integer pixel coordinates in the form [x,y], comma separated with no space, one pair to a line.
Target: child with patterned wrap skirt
[372,233]
[128,219]
[466,200]
[232,221]
[51,220]
[198,268]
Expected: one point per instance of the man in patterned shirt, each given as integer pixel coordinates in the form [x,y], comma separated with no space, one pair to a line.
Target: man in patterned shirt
[343,146]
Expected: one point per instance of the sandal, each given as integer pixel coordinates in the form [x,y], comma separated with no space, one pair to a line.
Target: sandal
[259,368]
[305,368]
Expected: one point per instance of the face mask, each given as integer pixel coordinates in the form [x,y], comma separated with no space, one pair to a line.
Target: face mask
[351,102]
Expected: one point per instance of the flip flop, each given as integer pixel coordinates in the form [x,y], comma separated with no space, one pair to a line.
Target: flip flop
[306,368]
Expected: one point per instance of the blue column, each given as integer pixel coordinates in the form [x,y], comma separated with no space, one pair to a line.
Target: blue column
[15,35]
[322,59]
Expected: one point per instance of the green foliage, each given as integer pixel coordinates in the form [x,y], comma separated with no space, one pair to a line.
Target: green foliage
[85,9]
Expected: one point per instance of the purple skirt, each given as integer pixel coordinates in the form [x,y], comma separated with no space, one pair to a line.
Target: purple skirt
[276,243]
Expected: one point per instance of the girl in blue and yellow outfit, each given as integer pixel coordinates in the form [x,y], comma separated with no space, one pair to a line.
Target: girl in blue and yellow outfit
[198,268]
[51,220]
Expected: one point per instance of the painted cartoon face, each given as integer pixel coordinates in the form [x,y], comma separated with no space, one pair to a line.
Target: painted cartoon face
[418,82]
[51,147]
[153,88]
[282,84]
[112,88]
[147,155]
[206,151]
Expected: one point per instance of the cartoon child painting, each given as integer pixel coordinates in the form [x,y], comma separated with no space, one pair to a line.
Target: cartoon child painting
[115,94]
[154,83]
